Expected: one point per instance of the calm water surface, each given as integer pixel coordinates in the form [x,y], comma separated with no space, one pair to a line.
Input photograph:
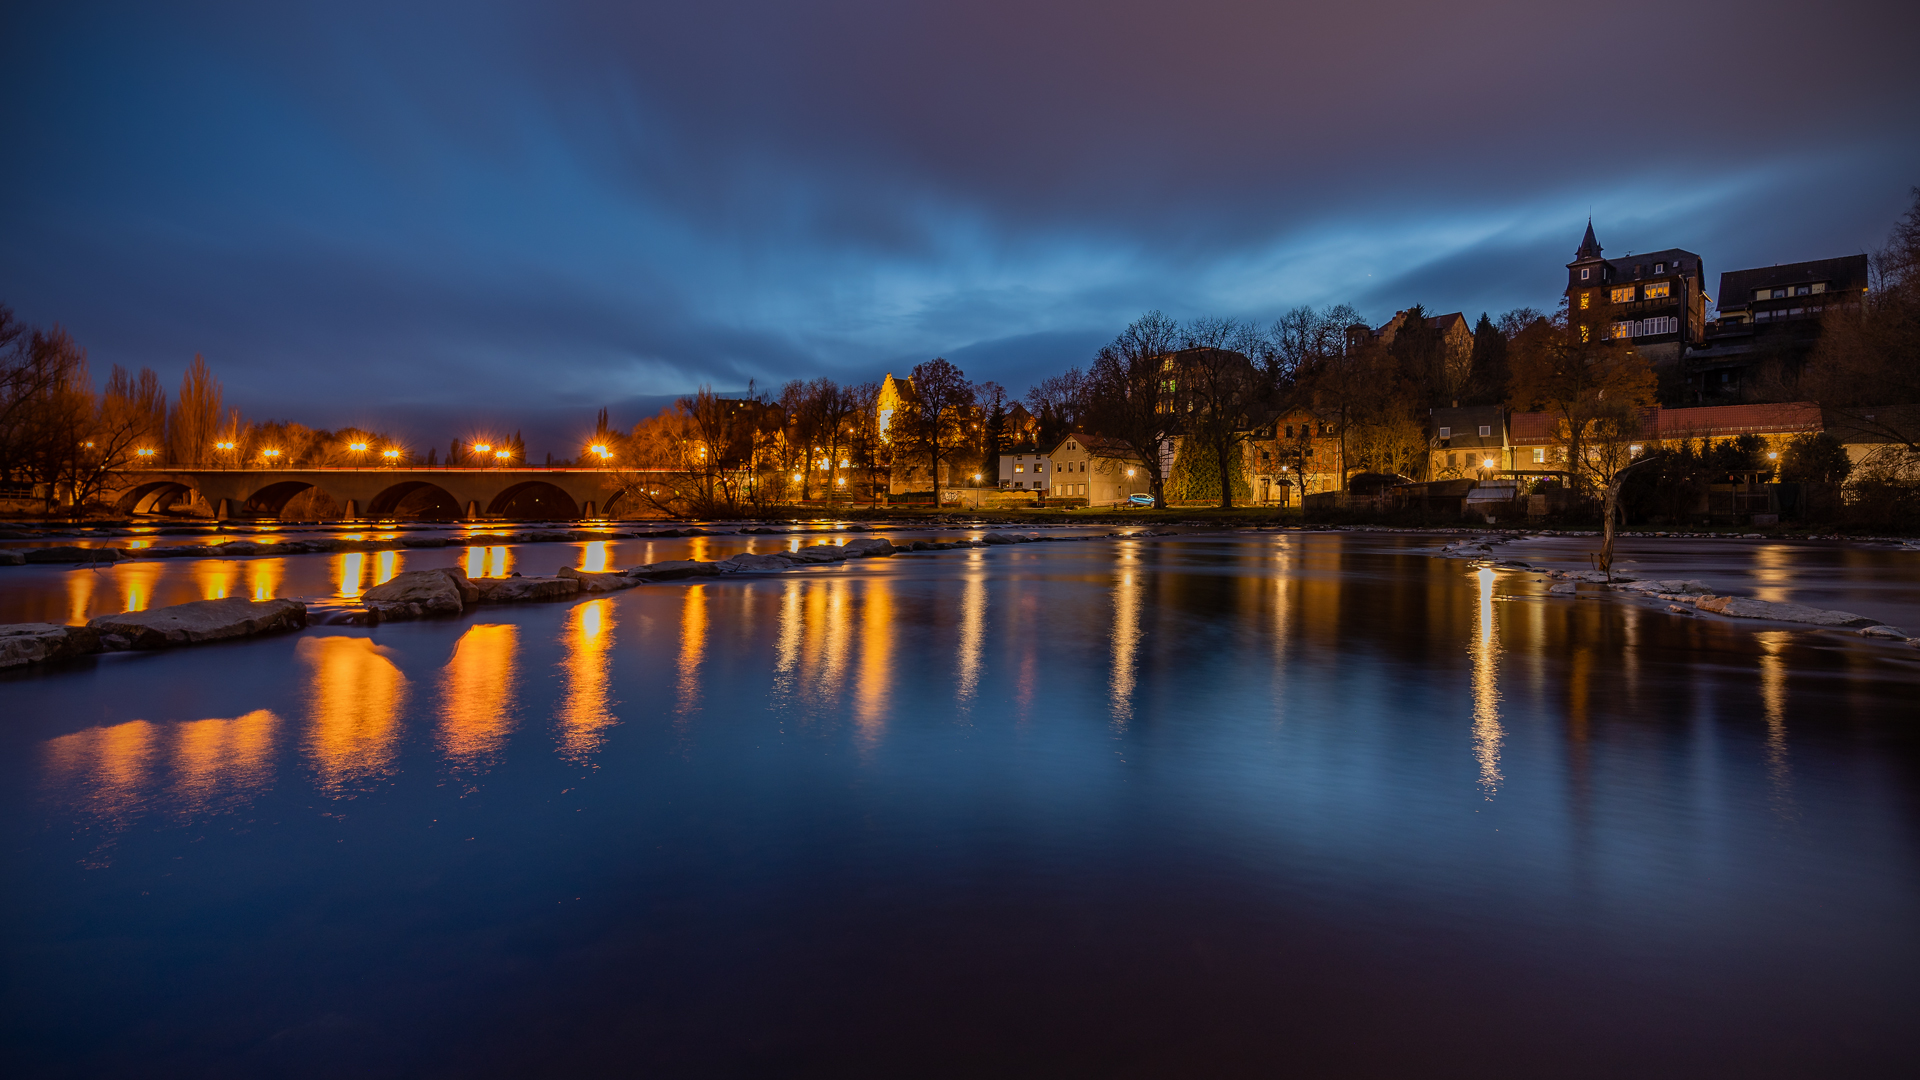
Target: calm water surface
[1234,805]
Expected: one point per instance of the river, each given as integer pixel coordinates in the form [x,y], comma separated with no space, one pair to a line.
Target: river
[1247,803]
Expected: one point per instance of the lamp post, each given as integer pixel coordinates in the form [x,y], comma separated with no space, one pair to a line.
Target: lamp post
[359,453]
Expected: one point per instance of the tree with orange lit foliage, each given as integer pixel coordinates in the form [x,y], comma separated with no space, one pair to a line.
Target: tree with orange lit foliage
[695,459]
[1578,367]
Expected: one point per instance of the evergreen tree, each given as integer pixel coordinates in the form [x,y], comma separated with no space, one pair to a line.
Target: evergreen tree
[1488,383]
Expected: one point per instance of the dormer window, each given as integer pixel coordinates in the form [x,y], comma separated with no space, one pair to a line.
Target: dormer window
[1446,433]
[1659,268]
[1486,431]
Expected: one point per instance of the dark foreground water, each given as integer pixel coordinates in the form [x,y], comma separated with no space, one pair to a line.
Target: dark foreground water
[1266,804]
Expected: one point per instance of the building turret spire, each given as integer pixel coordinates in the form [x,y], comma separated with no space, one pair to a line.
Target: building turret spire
[1589,248]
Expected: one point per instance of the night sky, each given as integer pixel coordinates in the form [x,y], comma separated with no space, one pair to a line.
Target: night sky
[462,216]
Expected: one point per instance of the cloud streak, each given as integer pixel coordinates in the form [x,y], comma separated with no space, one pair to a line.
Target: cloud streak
[498,207]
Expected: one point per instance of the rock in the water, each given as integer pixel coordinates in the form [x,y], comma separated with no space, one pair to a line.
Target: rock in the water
[413,593]
[750,561]
[596,583]
[1669,587]
[868,547]
[13,558]
[997,538]
[516,589]
[819,553]
[424,542]
[674,569]
[74,555]
[201,620]
[469,592]
[1892,633]
[38,643]
[1740,607]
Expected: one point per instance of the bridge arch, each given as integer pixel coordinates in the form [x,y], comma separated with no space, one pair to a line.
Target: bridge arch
[153,498]
[415,499]
[294,500]
[534,499]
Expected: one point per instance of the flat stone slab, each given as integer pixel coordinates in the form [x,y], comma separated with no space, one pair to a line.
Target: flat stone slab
[674,569]
[750,561]
[38,643]
[598,583]
[201,620]
[515,590]
[74,555]
[1740,607]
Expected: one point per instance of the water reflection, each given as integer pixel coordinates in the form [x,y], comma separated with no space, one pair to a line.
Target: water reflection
[487,561]
[102,772]
[386,564]
[354,697]
[587,711]
[223,764]
[263,578]
[1773,703]
[593,559]
[973,628]
[477,697]
[79,595]
[138,579]
[693,646]
[353,567]
[1485,650]
[875,688]
[1125,639]
[216,578]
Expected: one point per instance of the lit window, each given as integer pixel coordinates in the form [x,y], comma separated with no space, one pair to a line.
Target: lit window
[1621,296]
[1019,468]
[1659,289]
[1539,455]
[1486,431]
[1819,286]
[1585,299]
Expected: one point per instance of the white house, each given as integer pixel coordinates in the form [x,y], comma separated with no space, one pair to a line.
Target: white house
[1026,472]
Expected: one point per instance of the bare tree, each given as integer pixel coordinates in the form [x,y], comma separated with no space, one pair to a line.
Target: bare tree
[1131,394]
[938,423]
[1580,368]
[1059,404]
[1217,390]
[195,422]
[696,458]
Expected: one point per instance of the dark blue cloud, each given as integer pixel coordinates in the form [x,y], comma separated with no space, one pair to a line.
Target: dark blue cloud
[489,213]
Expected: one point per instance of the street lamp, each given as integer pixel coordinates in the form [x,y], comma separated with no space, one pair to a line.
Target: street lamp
[392,456]
[503,455]
[143,452]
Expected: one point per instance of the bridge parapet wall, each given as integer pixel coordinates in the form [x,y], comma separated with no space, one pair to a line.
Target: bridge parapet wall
[365,490]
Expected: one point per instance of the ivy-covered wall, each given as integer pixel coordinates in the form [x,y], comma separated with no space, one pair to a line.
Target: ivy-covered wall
[1196,477]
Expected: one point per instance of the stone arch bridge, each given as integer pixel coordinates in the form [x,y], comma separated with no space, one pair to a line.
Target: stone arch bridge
[349,493]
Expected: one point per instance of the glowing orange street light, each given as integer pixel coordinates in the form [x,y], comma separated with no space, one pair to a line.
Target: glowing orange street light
[359,447]
[600,451]
[142,452]
[390,455]
[503,455]
[270,453]
[482,447]
[1487,464]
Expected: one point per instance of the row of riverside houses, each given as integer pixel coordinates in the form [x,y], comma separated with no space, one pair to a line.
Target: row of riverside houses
[1768,320]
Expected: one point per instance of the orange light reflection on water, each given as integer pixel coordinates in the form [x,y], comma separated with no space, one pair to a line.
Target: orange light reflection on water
[693,646]
[477,696]
[223,764]
[138,580]
[487,562]
[263,578]
[354,698]
[587,713]
[875,690]
[593,559]
[353,567]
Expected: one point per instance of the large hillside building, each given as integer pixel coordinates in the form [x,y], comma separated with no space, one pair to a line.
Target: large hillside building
[1769,321]
[1660,297]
